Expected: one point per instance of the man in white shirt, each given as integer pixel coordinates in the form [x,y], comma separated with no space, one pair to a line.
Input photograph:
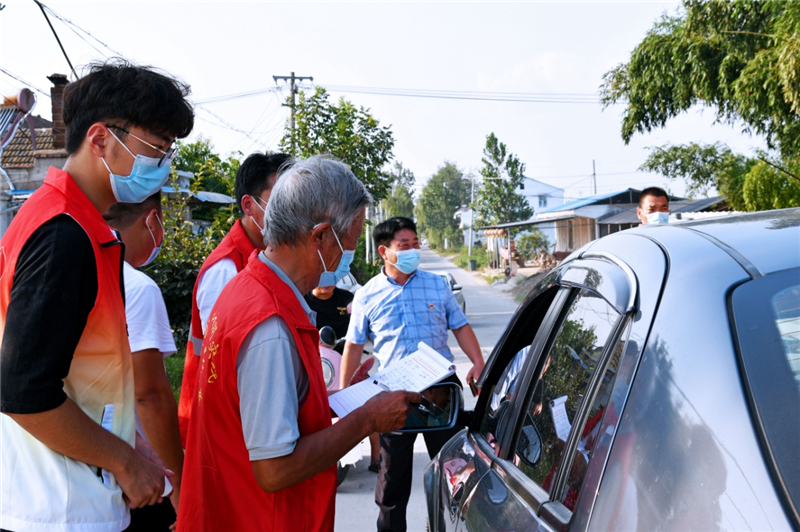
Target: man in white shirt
[254,182]
[150,335]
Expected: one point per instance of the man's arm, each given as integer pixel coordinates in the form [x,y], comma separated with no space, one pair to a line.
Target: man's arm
[158,413]
[386,412]
[55,286]
[210,286]
[69,431]
[468,342]
[351,359]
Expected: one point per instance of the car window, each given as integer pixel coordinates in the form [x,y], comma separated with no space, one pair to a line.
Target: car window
[558,392]
[767,325]
[786,313]
[496,420]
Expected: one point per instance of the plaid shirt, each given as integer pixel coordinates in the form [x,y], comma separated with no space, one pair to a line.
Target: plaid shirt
[397,317]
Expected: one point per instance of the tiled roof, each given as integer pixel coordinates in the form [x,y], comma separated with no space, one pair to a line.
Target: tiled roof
[19,152]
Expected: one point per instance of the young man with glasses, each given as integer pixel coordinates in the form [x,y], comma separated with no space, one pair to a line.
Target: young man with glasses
[254,182]
[71,460]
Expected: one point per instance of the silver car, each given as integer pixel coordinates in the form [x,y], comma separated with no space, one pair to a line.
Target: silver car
[650,382]
[456,288]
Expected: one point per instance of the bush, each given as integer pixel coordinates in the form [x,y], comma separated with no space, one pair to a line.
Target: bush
[177,266]
[531,244]
[362,270]
[462,257]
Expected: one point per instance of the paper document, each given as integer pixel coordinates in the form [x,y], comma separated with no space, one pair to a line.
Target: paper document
[417,372]
[560,418]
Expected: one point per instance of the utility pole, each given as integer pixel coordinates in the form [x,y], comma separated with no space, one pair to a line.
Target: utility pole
[293,87]
[594,180]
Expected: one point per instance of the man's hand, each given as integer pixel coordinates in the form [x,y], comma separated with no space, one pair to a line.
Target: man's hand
[388,410]
[476,369]
[362,372]
[142,477]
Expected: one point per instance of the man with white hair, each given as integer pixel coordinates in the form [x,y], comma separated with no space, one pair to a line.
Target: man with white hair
[261,452]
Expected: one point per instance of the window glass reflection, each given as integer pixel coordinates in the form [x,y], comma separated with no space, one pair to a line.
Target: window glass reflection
[558,393]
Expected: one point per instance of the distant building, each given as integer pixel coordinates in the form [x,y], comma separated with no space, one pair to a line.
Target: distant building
[578,222]
[539,196]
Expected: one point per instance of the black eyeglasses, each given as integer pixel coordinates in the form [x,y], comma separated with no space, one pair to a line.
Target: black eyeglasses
[166,156]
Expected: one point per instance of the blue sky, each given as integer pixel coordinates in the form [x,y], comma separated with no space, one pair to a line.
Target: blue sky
[227,48]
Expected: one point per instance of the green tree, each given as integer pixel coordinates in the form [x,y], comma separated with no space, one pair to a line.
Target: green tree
[445,192]
[498,200]
[766,187]
[703,167]
[748,183]
[349,133]
[401,200]
[741,58]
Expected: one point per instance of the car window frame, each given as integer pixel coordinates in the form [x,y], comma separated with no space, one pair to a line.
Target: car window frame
[568,286]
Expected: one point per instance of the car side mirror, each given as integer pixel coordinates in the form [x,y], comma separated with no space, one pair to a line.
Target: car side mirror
[439,409]
[457,287]
[529,448]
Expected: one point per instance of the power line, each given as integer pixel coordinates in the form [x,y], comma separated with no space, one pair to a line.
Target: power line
[521,97]
[70,23]
[29,85]
[41,6]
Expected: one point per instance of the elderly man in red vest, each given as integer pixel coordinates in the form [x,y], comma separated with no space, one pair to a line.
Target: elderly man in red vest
[254,182]
[261,453]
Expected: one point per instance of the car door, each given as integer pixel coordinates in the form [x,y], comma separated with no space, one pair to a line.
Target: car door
[549,408]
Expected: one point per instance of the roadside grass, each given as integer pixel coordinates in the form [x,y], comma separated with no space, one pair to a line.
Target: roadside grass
[460,256]
[174,366]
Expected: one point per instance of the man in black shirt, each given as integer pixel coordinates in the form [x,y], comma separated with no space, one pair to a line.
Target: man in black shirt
[332,306]
[70,459]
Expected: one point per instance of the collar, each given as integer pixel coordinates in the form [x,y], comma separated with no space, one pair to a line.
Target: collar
[66,185]
[395,283]
[312,316]
[240,240]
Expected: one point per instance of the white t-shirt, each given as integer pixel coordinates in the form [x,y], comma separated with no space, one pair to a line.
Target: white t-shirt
[210,285]
[148,324]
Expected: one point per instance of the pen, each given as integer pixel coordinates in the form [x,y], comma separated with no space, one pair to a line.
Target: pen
[382,386]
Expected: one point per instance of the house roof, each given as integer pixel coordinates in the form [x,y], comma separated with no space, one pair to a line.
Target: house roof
[623,196]
[19,152]
[628,216]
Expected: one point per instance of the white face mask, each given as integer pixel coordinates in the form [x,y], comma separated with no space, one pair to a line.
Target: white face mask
[656,218]
[263,213]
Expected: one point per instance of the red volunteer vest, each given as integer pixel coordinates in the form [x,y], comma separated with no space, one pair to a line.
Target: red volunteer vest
[219,490]
[100,378]
[237,247]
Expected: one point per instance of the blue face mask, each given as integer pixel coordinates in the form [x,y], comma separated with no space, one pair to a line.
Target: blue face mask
[331,278]
[407,260]
[658,218]
[146,177]
[157,247]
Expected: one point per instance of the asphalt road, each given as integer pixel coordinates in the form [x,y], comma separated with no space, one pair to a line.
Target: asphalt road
[488,310]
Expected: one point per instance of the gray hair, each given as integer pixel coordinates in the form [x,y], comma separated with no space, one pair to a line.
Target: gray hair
[309,192]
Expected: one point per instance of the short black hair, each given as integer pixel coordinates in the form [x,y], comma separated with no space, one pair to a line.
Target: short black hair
[652,191]
[128,95]
[123,215]
[253,174]
[384,232]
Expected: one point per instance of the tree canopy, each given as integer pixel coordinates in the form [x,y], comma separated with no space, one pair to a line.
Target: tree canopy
[741,58]
[445,192]
[401,199]
[497,200]
[349,133]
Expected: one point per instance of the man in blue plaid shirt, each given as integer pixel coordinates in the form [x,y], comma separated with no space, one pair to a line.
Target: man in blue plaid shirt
[396,310]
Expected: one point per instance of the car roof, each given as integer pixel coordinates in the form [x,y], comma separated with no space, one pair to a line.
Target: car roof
[768,240]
